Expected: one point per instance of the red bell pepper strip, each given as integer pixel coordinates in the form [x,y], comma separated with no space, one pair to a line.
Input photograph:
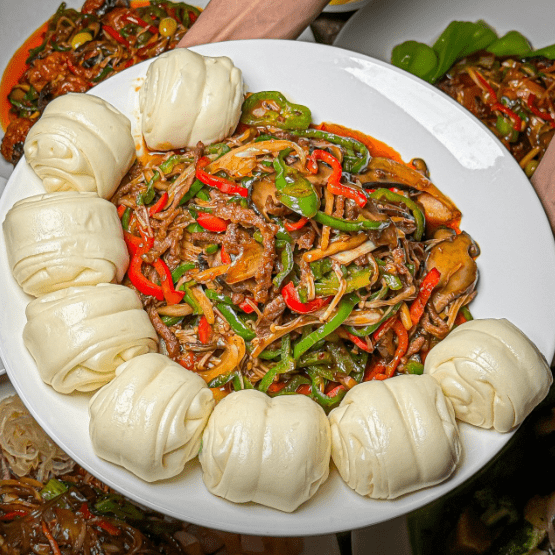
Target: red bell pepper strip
[303,389]
[295,226]
[334,390]
[131,18]
[384,328]
[107,527]
[204,330]
[211,222]
[496,105]
[334,180]
[13,514]
[377,368]
[53,543]
[360,343]
[121,210]
[159,204]
[137,245]
[115,35]
[224,185]
[291,298]
[545,116]
[226,259]
[431,279]
[166,283]
[402,346]
[138,279]
[246,307]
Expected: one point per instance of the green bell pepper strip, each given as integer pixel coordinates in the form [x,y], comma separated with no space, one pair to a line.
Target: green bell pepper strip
[289,116]
[512,43]
[342,359]
[189,298]
[356,280]
[222,379]
[415,367]
[192,192]
[392,281]
[357,157]
[286,364]
[348,225]
[218,148]
[371,328]
[294,190]
[314,358]
[287,263]
[118,506]
[417,213]
[146,197]
[323,371]
[171,320]
[184,267]
[325,401]
[218,297]
[321,267]
[344,308]
[235,322]
[268,354]
[546,51]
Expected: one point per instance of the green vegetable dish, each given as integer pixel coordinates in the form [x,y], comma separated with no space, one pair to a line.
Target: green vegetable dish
[503,81]
[295,258]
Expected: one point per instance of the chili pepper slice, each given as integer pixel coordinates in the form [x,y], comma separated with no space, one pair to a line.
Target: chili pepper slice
[246,306]
[115,35]
[13,514]
[428,284]
[334,180]
[359,342]
[401,349]
[142,283]
[132,18]
[295,226]
[224,185]
[204,330]
[211,222]
[545,116]
[226,259]
[166,283]
[291,298]
[375,369]
[258,109]
[159,204]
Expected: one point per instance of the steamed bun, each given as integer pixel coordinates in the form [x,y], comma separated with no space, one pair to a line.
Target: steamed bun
[491,371]
[273,451]
[57,240]
[150,418]
[187,98]
[394,436]
[80,143]
[78,336]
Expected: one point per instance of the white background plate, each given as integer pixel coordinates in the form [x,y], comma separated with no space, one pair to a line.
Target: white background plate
[500,210]
[376,28]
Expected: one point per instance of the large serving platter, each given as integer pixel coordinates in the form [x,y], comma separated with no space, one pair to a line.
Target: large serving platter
[501,211]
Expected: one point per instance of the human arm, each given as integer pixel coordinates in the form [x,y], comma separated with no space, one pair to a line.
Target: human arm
[250,19]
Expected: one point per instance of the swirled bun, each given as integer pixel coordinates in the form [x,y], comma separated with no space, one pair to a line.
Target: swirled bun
[273,451]
[80,143]
[187,98]
[57,240]
[491,371]
[394,436]
[150,417]
[80,335]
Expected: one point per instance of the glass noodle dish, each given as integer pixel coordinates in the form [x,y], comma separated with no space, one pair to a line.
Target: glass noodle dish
[79,49]
[294,258]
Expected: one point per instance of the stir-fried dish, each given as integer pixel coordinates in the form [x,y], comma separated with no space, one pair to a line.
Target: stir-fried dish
[294,258]
[82,48]
[513,97]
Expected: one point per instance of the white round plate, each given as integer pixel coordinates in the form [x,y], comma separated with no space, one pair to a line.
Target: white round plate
[500,210]
[375,29]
